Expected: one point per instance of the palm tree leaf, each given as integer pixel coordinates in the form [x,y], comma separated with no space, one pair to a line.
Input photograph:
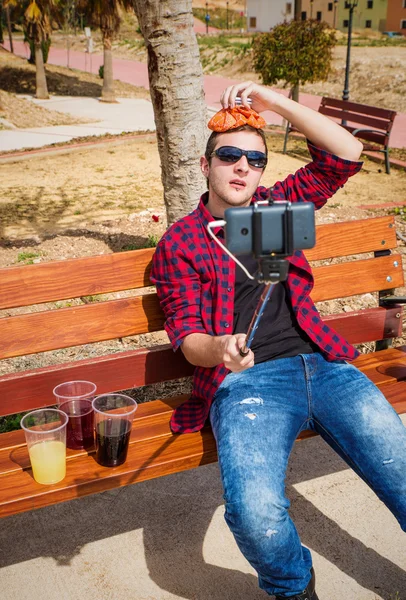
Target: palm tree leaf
[33,13]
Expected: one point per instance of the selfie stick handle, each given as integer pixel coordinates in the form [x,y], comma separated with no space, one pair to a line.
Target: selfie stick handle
[266,294]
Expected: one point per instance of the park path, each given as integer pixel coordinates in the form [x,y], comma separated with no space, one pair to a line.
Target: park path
[136,73]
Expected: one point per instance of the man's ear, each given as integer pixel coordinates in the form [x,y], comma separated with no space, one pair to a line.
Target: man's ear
[204,166]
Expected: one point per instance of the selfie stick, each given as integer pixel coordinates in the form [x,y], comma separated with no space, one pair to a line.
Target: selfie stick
[262,302]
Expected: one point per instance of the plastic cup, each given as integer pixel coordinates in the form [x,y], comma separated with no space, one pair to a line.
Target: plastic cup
[113,419]
[45,433]
[75,399]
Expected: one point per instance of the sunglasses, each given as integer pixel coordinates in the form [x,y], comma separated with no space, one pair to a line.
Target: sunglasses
[231,154]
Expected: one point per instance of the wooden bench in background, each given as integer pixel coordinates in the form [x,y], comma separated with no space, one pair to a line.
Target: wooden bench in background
[370,124]
[154,450]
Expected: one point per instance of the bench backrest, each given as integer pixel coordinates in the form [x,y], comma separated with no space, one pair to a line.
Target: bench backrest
[42,329]
[360,116]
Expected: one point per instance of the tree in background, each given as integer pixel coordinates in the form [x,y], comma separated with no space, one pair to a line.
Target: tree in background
[10,35]
[105,15]
[296,52]
[176,85]
[37,27]
[1,23]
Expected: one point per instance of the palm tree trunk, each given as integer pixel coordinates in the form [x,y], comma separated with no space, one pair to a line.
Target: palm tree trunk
[1,23]
[176,85]
[10,37]
[41,80]
[108,81]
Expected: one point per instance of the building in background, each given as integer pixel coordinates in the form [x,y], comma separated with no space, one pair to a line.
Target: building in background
[377,15]
[396,16]
[321,10]
[369,14]
[262,15]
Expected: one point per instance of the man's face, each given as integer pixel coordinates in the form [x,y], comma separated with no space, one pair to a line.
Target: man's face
[232,184]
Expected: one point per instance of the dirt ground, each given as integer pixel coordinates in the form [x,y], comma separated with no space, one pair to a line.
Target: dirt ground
[106,189]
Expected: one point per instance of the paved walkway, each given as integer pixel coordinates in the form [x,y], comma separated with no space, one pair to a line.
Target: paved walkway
[136,73]
[131,114]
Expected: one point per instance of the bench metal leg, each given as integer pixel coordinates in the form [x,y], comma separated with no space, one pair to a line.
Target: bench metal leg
[387,162]
[285,142]
[383,344]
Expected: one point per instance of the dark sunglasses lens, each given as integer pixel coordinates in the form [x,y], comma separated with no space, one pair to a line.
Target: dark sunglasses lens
[256,159]
[231,154]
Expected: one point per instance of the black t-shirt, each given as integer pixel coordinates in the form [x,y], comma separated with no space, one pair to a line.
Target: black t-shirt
[278,334]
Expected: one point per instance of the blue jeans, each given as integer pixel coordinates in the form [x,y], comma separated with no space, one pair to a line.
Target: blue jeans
[256,417]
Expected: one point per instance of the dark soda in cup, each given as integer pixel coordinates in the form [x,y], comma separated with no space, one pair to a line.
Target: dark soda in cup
[113,419]
[111,442]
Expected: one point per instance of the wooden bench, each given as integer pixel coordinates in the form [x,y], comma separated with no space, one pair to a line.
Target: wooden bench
[369,123]
[154,450]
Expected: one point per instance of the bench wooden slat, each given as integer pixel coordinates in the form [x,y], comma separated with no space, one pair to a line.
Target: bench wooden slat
[354,117]
[100,321]
[383,367]
[368,324]
[360,277]
[375,111]
[113,372]
[61,280]
[147,459]
[146,410]
[353,237]
[35,332]
[136,368]
[156,426]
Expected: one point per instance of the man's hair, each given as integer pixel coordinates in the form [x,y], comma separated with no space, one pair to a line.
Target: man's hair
[211,142]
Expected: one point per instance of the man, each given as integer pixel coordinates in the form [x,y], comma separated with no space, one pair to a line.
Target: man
[296,375]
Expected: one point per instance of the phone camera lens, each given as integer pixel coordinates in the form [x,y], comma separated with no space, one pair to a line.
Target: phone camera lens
[244,231]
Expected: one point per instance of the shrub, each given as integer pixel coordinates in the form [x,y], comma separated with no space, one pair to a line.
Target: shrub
[295,52]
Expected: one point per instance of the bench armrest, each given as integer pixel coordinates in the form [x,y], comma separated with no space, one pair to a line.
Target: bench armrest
[365,130]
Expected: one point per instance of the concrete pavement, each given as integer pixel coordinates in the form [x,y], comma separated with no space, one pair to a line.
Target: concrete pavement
[130,114]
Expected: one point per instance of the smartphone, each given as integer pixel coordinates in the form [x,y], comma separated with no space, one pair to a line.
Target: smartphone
[240,232]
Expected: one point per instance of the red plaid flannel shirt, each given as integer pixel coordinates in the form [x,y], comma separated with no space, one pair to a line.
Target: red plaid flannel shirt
[195,279]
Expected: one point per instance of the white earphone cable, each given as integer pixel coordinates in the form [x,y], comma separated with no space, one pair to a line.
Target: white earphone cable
[222,223]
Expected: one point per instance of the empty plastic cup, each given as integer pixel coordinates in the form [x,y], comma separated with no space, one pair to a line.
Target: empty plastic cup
[113,419]
[45,433]
[75,399]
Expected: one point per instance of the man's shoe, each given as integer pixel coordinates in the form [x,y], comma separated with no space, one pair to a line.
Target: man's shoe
[308,594]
